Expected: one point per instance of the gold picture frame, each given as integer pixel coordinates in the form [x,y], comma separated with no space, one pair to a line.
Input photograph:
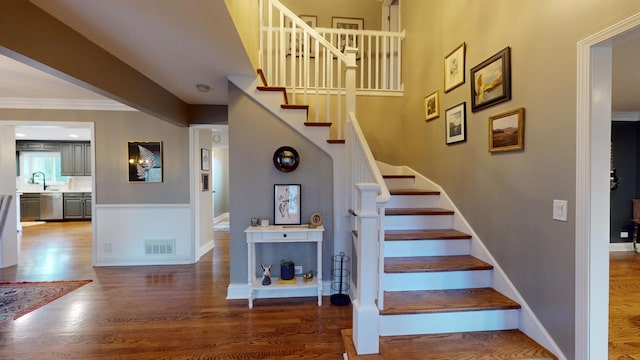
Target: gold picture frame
[454,65]
[432,106]
[506,131]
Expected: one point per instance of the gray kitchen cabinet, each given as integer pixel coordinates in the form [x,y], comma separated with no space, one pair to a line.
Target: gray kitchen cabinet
[75,159]
[30,206]
[22,145]
[77,206]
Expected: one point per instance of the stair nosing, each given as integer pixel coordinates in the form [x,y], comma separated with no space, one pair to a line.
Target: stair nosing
[425,234]
[434,264]
[413,192]
[417,211]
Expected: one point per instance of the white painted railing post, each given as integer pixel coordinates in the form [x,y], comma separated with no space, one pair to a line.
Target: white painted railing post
[366,329]
[350,79]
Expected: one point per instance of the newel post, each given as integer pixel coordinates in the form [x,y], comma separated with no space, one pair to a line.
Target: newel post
[350,80]
[365,311]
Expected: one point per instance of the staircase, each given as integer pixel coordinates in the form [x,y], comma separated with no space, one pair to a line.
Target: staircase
[431,284]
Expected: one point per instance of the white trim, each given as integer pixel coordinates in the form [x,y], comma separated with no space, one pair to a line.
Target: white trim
[152,206]
[624,246]
[592,148]
[63,104]
[625,116]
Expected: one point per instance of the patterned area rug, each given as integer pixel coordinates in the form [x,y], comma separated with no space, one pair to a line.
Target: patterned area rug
[20,298]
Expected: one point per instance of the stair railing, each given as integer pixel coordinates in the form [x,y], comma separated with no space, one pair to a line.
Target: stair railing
[314,65]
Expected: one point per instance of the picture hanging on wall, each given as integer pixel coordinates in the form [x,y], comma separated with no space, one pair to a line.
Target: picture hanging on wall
[145,161]
[348,37]
[454,68]
[491,81]
[456,123]
[205,159]
[204,184]
[506,131]
[286,204]
[432,106]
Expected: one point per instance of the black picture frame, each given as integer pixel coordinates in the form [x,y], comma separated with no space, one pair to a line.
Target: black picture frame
[287,204]
[145,161]
[491,81]
[456,124]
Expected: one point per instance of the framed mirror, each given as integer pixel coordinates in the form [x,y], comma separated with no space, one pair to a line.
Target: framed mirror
[286,159]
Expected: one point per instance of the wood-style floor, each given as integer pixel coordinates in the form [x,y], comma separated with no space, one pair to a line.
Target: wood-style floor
[180,312]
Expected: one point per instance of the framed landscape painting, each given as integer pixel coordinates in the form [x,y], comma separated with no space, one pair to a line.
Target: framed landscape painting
[491,81]
[456,123]
[506,131]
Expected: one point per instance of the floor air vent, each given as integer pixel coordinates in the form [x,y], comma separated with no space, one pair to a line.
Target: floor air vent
[160,247]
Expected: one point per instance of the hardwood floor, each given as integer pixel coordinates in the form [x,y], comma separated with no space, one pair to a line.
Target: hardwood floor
[180,312]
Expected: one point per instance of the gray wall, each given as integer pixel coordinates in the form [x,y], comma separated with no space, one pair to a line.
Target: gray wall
[113,129]
[624,138]
[254,135]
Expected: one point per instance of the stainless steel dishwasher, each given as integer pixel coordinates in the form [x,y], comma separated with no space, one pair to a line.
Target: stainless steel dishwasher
[50,206]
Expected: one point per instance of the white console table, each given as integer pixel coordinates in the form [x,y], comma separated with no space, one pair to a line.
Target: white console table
[282,234]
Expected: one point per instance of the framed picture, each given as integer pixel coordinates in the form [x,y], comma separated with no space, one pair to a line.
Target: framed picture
[454,68]
[456,123]
[205,159]
[344,39]
[310,20]
[204,183]
[491,81]
[432,106]
[286,204]
[506,131]
[145,161]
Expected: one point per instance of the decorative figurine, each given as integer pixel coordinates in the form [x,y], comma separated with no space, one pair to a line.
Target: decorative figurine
[308,276]
[266,274]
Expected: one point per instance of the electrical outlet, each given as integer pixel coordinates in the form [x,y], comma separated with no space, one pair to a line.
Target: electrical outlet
[624,234]
[298,269]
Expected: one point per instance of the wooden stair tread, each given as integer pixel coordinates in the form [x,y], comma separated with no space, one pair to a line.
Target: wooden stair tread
[291,106]
[426,234]
[272,88]
[434,264]
[413,192]
[398,176]
[439,301]
[318,124]
[417,211]
[478,345]
[336,141]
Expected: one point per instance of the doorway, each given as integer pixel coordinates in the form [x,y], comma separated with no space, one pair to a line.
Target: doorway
[592,186]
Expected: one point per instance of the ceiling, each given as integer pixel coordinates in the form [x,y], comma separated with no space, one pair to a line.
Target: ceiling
[181,44]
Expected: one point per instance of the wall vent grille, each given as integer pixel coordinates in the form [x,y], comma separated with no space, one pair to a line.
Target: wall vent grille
[160,247]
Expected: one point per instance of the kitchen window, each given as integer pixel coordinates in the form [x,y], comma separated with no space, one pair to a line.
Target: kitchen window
[47,162]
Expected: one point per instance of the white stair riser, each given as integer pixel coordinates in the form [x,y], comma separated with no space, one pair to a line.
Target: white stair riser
[418,222]
[413,201]
[485,320]
[443,280]
[400,183]
[402,248]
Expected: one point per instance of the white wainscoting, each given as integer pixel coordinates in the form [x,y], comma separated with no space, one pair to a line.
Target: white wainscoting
[123,229]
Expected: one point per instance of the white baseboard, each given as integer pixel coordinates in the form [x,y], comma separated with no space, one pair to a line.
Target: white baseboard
[221,217]
[624,246]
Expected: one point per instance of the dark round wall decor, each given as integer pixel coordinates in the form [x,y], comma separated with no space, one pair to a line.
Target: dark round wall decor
[286,159]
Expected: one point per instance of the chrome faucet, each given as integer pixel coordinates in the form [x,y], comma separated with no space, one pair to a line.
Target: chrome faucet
[44,181]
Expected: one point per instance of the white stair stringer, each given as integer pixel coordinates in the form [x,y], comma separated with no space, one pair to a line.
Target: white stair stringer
[446,322]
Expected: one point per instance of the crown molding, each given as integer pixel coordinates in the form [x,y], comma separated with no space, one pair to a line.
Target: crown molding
[63,104]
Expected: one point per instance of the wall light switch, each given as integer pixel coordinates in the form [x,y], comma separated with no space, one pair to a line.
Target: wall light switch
[560,210]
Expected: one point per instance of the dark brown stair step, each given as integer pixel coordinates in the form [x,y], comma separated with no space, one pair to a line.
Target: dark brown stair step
[417,211]
[413,192]
[398,176]
[427,234]
[477,345]
[434,264]
[336,141]
[439,301]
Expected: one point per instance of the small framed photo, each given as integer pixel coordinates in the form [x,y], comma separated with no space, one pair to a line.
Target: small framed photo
[454,68]
[506,131]
[204,183]
[456,123]
[145,161]
[205,160]
[491,81]
[286,204]
[348,39]
[432,106]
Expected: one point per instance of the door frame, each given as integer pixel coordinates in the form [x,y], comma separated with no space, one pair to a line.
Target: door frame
[593,137]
